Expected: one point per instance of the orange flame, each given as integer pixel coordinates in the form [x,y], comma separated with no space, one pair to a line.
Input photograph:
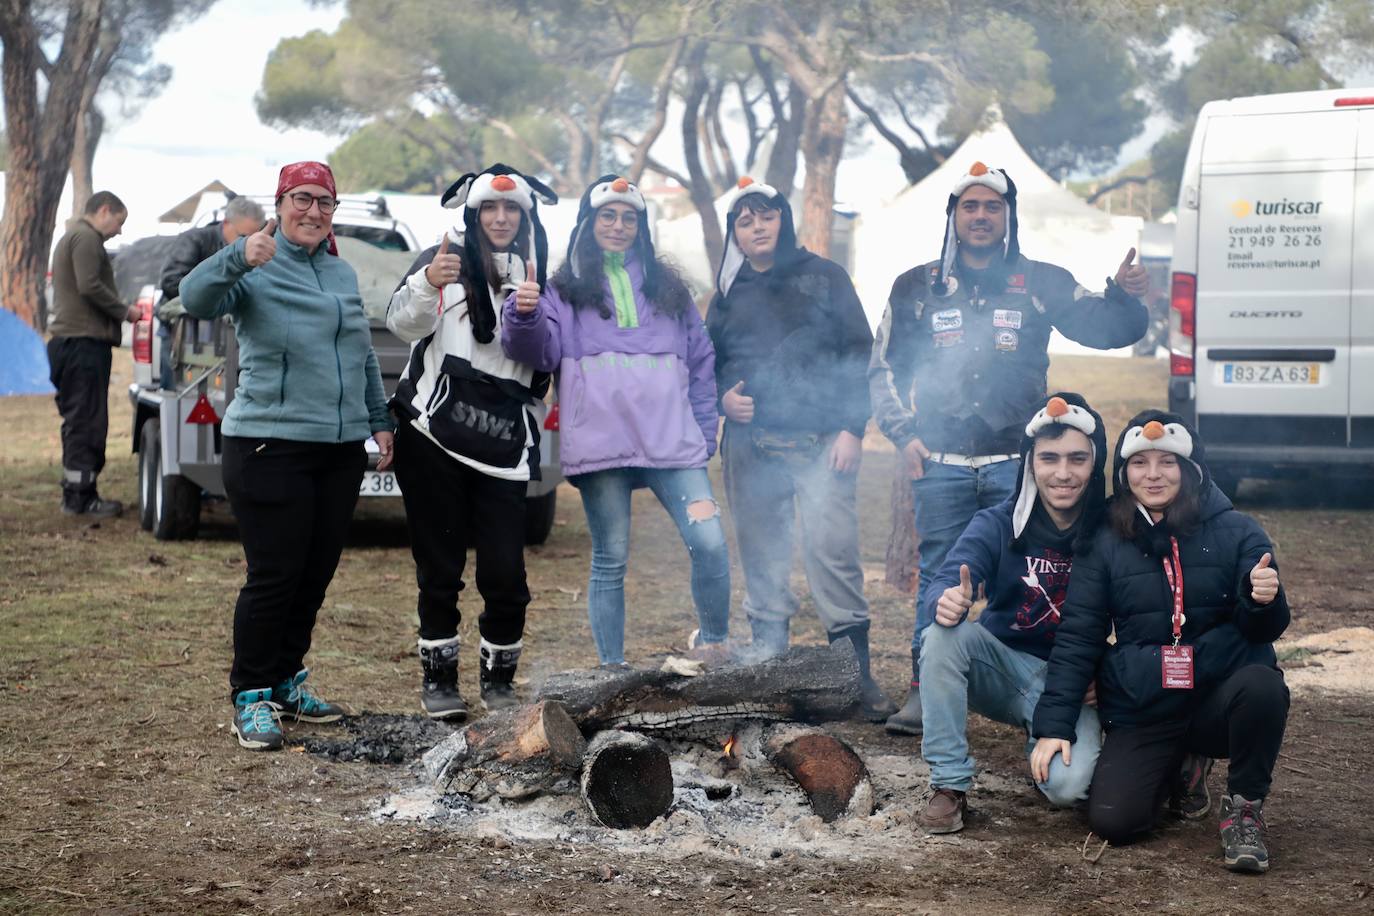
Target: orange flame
[730,746]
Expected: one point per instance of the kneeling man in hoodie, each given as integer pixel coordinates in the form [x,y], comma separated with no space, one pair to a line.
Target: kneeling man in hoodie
[1020,554]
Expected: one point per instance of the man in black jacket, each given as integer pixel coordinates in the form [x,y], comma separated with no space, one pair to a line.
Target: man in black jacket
[971,332]
[791,345]
[242,217]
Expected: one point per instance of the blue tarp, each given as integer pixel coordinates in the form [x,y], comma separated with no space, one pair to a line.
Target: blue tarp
[23,358]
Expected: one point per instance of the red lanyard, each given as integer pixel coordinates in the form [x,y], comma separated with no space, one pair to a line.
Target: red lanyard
[1174,574]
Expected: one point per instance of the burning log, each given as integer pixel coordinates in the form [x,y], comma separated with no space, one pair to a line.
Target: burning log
[831,774]
[805,684]
[514,753]
[627,780]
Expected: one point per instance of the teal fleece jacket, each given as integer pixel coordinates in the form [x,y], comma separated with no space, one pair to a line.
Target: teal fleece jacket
[307,370]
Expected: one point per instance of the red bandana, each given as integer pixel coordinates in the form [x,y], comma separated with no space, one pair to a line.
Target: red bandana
[298,173]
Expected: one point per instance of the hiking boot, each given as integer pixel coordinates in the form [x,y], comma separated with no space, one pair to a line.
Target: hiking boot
[255,720]
[439,695]
[769,640]
[874,704]
[710,654]
[945,811]
[91,505]
[296,701]
[1242,834]
[1190,798]
[496,676]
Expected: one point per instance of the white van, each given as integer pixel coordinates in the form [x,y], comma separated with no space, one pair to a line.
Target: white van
[1272,302]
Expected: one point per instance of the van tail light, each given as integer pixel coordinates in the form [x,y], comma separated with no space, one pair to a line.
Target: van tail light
[1182,324]
[1355,101]
[143,330]
[551,421]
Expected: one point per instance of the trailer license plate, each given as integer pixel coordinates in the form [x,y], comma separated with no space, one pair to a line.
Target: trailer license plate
[379,483]
[1271,373]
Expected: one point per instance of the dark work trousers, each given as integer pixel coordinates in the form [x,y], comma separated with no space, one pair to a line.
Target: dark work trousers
[293,501]
[1243,718]
[79,368]
[449,508]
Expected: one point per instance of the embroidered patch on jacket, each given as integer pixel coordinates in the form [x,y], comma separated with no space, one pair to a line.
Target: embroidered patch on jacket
[1006,318]
[1006,339]
[1018,280]
[947,320]
[948,338]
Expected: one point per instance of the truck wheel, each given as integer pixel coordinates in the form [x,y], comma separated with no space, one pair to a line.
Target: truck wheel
[175,514]
[149,460]
[539,517]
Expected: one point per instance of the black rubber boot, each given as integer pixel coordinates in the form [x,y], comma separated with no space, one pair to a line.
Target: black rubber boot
[439,691]
[875,706]
[907,721]
[497,674]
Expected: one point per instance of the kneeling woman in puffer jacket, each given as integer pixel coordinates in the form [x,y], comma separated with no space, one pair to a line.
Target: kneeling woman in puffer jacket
[637,392]
[1192,590]
[467,445]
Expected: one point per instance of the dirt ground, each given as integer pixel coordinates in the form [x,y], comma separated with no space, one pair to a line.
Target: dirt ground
[122,789]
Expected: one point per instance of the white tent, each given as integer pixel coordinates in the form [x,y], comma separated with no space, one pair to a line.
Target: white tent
[1055,224]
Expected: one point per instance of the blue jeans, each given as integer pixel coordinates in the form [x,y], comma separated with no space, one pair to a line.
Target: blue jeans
[967,668]
[606,499]
[946,499]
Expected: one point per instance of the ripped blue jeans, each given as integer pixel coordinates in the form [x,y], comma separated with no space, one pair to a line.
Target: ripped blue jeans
[606,499]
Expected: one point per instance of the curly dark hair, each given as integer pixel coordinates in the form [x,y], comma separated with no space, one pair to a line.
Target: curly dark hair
[663,285]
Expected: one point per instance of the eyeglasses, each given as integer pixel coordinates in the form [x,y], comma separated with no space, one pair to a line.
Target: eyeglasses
[627,218]
[302,201]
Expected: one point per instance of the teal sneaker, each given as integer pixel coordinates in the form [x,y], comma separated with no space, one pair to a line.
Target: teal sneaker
[255,720]
[295,700]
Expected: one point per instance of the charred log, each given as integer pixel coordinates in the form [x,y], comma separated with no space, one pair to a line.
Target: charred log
[806,684]
[827,769]
[627,780]
[514,753]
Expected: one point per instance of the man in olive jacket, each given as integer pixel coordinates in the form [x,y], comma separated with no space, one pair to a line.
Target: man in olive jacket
[87,315]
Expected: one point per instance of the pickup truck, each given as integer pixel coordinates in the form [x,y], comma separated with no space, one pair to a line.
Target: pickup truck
[176,432]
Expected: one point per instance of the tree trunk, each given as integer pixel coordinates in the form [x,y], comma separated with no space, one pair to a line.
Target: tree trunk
[807,684]
[822,147]
[833,777]
[903,544]
[700,188]
[627,780]
[90,124]
[782,160]
[513,753]
[40,145]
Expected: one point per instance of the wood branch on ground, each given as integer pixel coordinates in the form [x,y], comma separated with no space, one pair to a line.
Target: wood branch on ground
[804,684]
[827,769]
[627,780]
[514,753]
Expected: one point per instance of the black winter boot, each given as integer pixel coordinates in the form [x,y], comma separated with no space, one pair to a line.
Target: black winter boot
[875,706]
[497,674]
[907,721]
[439,691]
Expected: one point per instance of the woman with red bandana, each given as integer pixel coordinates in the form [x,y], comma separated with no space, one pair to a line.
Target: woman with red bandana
[309,394]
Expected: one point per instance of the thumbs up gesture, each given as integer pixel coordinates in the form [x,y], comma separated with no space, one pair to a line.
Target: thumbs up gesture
[1132,277]
[445,268]
[1264,580]
[261,246]
[738,406]
[956,600]
[527,293]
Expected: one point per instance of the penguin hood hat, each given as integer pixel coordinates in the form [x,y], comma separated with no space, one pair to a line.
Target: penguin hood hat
[787,248]
[997,180]
[609,189]
[496,182]
[1071,411]
[1166,432]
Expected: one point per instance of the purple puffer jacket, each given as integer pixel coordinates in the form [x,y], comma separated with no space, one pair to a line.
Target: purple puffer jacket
[640,397]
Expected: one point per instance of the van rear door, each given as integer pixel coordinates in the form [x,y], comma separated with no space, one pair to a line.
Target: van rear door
[1362,294]
[1276,210]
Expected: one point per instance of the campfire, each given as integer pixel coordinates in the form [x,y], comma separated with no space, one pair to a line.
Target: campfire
[625,741]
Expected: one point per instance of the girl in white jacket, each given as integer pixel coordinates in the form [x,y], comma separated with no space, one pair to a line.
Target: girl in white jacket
[467,443]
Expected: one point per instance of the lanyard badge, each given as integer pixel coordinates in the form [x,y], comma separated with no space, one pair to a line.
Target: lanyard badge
[1176,661]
